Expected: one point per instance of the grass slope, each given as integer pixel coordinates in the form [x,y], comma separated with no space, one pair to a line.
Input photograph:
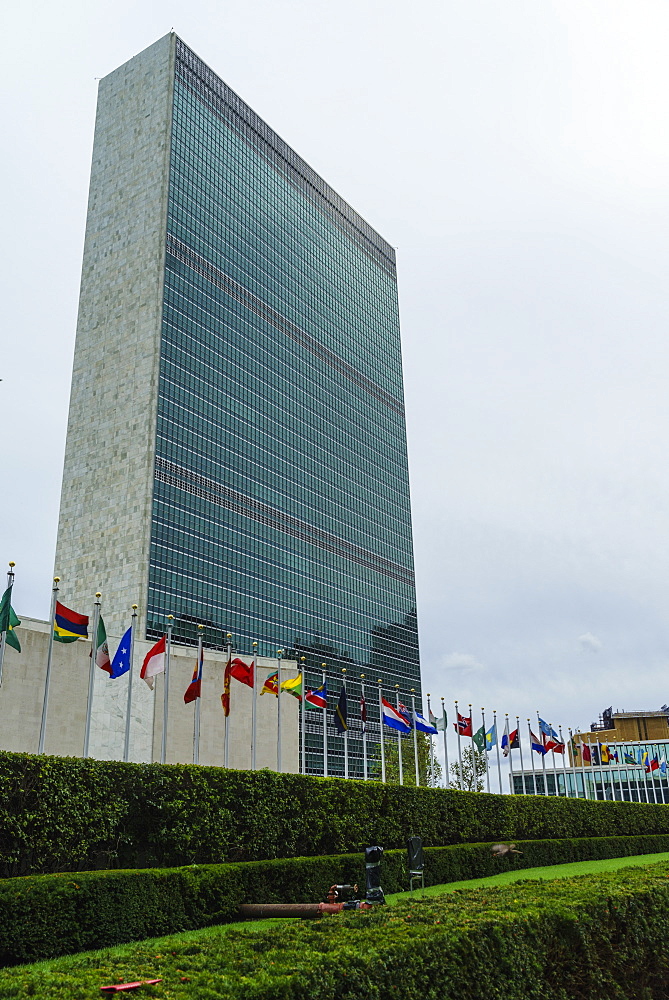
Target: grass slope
[225,962]
[548,872]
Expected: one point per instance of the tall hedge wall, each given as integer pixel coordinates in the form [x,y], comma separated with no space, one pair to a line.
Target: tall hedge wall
[597,937]
[42,916]
[68,814]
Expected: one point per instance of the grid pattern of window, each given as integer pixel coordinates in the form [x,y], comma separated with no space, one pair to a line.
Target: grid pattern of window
[281,502]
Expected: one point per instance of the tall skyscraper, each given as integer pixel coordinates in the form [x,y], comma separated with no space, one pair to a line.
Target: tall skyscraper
[236,447]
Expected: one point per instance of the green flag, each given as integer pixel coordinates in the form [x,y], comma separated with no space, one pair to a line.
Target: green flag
[9,620]
[479,738]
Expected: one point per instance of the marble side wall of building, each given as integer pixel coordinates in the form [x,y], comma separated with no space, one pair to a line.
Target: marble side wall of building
[105,513]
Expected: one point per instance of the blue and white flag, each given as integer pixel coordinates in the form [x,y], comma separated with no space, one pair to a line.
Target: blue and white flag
[121,662]
[548,730]
[422,725]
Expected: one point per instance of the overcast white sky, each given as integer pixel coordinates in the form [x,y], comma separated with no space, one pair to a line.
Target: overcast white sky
[517,155]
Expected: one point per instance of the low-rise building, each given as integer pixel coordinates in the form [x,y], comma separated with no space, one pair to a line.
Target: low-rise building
[22,701]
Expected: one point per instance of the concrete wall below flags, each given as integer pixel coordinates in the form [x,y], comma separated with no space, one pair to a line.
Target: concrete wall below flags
[22,694]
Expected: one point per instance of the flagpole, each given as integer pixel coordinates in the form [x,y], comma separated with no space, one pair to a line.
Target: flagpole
[649,774]
[543,756]
[485,747]
[128,709]
[592,772]
[622,772]
[279,654]
[445,722]
[623,763]
[253,707]
[550,737]
[475,773]
[166,688]
[226,744]
[10,583]
[645,783]
[457,726]
[583,775]
[662,774]
[415,734]
[303,706]
[585,784]
[91,672]
[325,726]
[534,777]
[399,735]
[383,751]
[364,729]
[196,717]
[343,670]
[666,776]
[557,790]
[564,764]
[635,776]
[660,786]
[636,779]
[506,730]
[520,748]
[47,679]
[429,717]
[499,765]
[573,761]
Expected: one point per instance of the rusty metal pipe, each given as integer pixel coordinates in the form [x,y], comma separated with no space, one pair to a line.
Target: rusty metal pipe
[258,911]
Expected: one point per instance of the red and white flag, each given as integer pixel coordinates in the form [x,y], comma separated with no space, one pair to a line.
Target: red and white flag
[154,662]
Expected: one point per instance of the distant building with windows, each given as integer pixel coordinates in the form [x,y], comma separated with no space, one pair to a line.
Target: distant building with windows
[623,756]
[628,727]
[236,447]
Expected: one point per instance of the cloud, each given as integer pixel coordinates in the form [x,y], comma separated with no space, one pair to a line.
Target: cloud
[590,643]
[464,662]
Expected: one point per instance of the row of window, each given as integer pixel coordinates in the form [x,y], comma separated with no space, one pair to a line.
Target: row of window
[264,588]
[202,80]
[235,537]
[273,150]
[369,355]
[206,193]
[367,550]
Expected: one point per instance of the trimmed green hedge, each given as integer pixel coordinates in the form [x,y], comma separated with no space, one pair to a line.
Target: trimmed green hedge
[595,937]
[48,915]
[65,814]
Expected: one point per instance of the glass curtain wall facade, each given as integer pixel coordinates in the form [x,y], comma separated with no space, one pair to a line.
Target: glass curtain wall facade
[639,774]
[281,509]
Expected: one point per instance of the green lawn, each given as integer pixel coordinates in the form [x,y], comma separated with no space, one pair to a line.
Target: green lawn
[548,872]
[182,960]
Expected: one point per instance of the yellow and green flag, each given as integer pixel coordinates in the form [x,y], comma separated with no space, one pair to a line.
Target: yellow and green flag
[293,686]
